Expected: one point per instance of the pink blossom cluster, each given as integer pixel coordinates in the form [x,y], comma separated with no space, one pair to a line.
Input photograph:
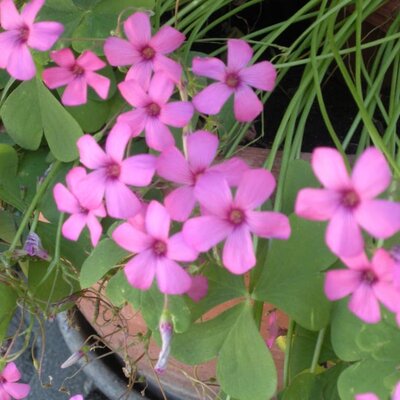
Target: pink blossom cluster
[225,196]
[9,386]
[349,203]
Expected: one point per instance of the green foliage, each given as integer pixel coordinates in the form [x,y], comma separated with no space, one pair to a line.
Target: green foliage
[105,256]
[46,115]
[293,271]
[8,304]
[7,226]
[9,190]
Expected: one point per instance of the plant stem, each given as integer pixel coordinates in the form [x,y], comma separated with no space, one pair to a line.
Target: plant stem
[289,336]
[317,350]
[38,196]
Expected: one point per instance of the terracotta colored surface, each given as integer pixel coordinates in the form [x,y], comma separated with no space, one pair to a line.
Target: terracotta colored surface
[385,15]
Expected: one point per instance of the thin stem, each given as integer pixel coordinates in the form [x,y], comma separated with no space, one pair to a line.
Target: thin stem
[38,196]
[289,339]
[317,350]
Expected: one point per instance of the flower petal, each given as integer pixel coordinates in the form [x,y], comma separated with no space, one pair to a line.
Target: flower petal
[136,119]
[73,226]
[343,235]
[138,29]
[89,61]
[134,94]
[9,16]
[239,54]
[238,254]
[268,224]
[158,136]
[138,170]
[171,277]
[141,269]
[198,289]
[384,265]
[177,114]
[371,174]
[364,304]
[232,170]
[261,76]
[8,41]
[11,372]
[211,99]
[117,140]
[161,88]
[179,250]
[168,66]
[317,204]
[57,76]
[388,295]
[95,229]
[131,238]
[203,233]
[17,390]
[254,188]
[75,93]
[202,148]
[380,218]
[166,40]
[65,200]
[64,57]
[366,396]
[180,203]
[141,73]
[120,52]
[90,191]
[20,63]
[121,202]
[210,67]
[73,178]
[340,283]
[213,193]
[43,35]
[246,105]
[322,161]
[99,83]
[157,221]
[91,154]
[30,10]
[172,165]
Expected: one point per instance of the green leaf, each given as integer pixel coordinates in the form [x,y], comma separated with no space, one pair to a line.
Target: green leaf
[24,127]
[368,376]
[91,116]
[222,286]
[292,279]
[8,304]
[117,291]
[203,341]
[299,175]
[7,226]
[60,128]
[344,329]
[46,115]
[105,256]
[4,78]
[101,20]
[9,190]
[245,367]
[54,288]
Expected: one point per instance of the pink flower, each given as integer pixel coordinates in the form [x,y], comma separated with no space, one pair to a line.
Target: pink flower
[198,289]
[273,328]
[234,219]
[70,200]
[171,165]
[143,52]
[21,34]
[348,202]
[235,78]
[156,253]
[9,388]
[368,283]
[77,397]
[152,113]
[77,75]
[112,174]
[366,396]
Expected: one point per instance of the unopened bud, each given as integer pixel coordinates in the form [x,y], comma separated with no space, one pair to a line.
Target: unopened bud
[33,247]
[73,359]
[166,330]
